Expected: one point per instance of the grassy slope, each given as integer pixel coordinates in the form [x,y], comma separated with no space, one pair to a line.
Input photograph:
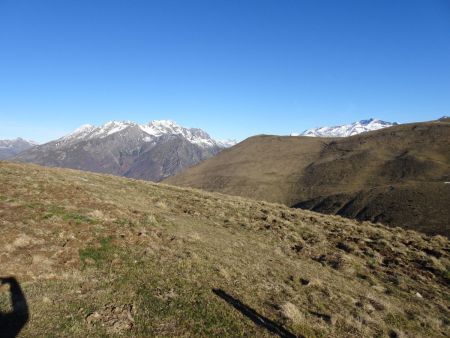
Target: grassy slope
[348,176]
[262,167]
[100,255]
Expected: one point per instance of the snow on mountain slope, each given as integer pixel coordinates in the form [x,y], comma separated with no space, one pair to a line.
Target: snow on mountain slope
[10,148]
[16,141]
[88,131]
[166,127]
[152,131]
[227,143]
[347,129]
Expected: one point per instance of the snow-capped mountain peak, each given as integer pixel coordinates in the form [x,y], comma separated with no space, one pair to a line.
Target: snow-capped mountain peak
[112,127]
[158,128]
[10,148]
[16,142]
[227,143]
[80,132]
[161,127]
[347,129]
[150,132]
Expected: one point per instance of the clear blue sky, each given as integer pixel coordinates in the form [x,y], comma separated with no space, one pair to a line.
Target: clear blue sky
[233,67]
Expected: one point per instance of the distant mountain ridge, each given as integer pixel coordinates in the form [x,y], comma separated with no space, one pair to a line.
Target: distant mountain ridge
[345,130]
[10,148]
[152,130]
[152,151]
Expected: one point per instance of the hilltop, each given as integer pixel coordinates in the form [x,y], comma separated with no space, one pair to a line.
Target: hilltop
[395,175]
[103,255]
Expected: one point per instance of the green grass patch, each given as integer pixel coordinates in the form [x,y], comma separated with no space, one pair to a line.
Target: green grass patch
[68,216]
[99,253]
[446,275]
[190,310]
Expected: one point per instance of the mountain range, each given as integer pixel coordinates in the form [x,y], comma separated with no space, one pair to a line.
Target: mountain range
[10,148]
[397,176]
[348,129]
[152,152]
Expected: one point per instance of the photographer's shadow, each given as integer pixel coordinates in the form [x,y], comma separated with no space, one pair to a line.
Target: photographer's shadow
[12,322]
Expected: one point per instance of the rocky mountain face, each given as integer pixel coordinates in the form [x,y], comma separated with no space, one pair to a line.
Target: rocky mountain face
[397,176]
[347,129]
[10,148]
[152,152]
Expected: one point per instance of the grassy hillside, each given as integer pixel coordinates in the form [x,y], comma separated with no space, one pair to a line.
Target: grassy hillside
[262,167]
[100,255]
[395,175]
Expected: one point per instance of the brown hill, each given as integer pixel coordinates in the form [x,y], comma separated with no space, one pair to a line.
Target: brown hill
[395,175]
[98,256]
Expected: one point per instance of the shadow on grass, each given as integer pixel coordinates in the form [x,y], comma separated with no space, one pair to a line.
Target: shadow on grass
[12,322]
[254,316]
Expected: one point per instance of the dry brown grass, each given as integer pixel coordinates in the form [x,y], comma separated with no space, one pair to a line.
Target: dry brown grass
[100,255]
[393,176]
